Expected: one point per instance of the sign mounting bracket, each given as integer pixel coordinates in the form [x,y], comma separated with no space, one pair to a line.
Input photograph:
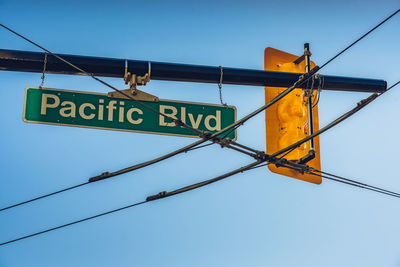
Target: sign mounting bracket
[137,95]
[134,80]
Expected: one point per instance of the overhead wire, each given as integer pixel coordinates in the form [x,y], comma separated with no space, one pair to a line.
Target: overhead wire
[235,125]
[198,147]
[341,179]
[348,114]
[261,165]
[335,177]
[71,223]
[177,121]
[360,105]
[43,196]
[206,136]
[355,185]
[210,137]
[314,171]
[393,85]
[284,93]
[163,194]
[326,175]
[362,37]
[251,166]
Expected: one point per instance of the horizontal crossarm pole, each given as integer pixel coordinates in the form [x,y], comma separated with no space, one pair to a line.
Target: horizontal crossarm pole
[25,61]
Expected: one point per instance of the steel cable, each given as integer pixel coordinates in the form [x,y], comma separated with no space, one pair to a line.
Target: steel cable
[191,146]
[148,199]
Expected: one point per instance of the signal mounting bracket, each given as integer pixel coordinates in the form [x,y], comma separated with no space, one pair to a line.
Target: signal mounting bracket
[309,93]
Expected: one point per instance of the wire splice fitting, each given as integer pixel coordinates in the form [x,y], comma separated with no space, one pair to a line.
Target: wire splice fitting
[367,100]
[102,176]
[157,196]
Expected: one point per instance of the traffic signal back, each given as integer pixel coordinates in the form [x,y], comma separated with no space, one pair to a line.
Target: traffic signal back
[287,121]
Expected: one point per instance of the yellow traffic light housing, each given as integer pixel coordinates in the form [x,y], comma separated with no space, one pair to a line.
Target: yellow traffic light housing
[287,121]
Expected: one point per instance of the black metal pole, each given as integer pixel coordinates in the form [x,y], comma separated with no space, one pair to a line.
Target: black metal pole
[307,55]
[13,60]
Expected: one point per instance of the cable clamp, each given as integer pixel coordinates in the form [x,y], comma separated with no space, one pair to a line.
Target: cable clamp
[367,100]
[134,80]
[102,176]
[222,142]
[282,162]
[157,196]
[260,155]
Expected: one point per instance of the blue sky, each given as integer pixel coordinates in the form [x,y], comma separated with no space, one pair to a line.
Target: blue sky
[252,219]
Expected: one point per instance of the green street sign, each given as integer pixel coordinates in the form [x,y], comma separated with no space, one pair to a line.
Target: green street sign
[94,110]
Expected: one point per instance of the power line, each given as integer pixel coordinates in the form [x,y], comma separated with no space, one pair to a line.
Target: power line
[348,180]
[227,144]
[393,85]
[226,130]
[177,121]
[261,165]
[333,177]
[82,184]
[341,52]
[198,147]
[361,104]
[148,199]
[71,223]
[204,135]
[240,122]
[43,196]
[213,137]
[360,185]
[313,171]
[348,114]
[362,37]
[188,188]
[256,164]
[165,194]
